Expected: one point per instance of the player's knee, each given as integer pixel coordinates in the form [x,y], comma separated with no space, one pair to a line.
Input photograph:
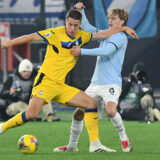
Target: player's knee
[79,114]
[110,112]
[111,109]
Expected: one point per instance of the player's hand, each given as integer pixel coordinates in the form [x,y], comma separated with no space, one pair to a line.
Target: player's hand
[130,32]
[4,43]
[76,51]
[79,5]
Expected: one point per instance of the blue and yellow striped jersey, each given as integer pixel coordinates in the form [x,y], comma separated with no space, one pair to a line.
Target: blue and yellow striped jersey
[58,59]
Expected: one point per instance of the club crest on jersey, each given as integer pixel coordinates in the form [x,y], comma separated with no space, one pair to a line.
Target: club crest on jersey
[112,91]
[40,92]
[47,35]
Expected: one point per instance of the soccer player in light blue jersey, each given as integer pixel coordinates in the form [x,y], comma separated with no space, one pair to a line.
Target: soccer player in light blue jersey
[105,84]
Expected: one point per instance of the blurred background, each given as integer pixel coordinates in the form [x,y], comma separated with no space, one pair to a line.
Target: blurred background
[19,17]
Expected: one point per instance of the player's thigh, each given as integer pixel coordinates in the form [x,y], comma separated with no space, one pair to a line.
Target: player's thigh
[45,88]
[83,101]
[65,93]
[110,93]
[91,91]
[74,97]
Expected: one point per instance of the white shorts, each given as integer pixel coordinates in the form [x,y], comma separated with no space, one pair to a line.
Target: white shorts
[105,93]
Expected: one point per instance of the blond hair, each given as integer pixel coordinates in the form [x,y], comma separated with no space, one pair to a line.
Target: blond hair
[123,14]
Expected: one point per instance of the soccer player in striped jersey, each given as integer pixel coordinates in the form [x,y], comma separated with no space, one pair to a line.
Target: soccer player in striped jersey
[105,84]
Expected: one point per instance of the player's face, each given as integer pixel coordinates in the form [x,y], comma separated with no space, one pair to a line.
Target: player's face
[26,74]
[115,21]
[72,26]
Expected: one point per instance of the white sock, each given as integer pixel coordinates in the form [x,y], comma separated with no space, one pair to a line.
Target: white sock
[118,124]
[95,143]
[75,131]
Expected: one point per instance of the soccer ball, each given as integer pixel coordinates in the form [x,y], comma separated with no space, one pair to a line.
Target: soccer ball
[28,144]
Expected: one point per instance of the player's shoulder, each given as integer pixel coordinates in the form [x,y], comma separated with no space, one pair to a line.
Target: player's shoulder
[56,31]
[120,35]
[82,31]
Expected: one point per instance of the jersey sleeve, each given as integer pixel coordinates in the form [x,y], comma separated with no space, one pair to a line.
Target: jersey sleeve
[115,42]
[86,25]
[86,37]
[118,39]
[48,35]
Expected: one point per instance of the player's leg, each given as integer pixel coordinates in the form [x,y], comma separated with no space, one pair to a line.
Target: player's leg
[111,110]
[118,124]
[75,131]
[32,112]
[76,128]
[91,122]
[79,99]
[43,91]
[77,120]
[82,100]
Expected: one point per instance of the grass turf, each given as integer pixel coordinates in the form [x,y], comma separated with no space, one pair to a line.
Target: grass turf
[145,140]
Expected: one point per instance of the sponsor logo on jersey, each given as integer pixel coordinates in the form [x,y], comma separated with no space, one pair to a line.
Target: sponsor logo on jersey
[47,35]
[40,92]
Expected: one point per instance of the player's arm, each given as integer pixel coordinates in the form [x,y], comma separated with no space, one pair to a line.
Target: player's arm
[104,51]
[20,40]
[115,42]
[107,33]
[97,34]
[85,23]
[103,34]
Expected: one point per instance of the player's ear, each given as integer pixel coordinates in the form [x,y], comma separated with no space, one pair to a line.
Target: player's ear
[122,22]
[66,20]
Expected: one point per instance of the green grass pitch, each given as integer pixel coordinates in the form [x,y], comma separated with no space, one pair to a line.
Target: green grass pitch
[145,140]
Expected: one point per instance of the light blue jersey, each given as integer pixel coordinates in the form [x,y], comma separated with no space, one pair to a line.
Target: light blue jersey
[110,56]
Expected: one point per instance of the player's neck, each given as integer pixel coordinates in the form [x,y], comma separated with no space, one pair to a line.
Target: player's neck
[69,35]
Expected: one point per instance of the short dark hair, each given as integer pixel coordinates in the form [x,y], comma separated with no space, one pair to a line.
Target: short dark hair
[75,14]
